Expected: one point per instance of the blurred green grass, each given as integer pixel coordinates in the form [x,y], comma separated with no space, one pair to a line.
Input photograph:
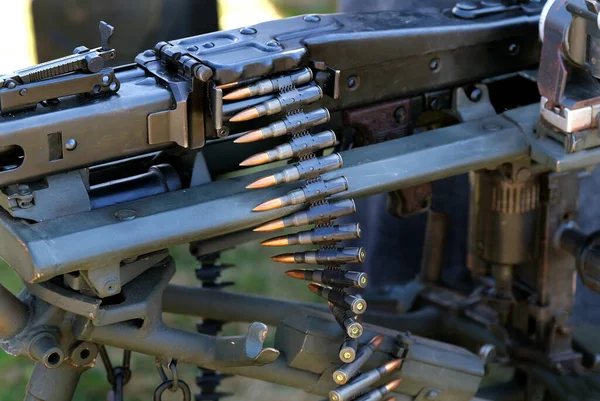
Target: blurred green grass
[254,273]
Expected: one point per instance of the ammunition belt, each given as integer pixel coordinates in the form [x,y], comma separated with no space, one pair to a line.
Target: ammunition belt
[294,91]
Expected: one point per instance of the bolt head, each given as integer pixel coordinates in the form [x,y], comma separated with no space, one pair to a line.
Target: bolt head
[71,144]
[475,95]
[247,31]
[434,64]
[312,18]
[125,214]
[23,92]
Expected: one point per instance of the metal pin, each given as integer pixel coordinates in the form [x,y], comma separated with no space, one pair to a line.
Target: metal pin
[319,235]
[297,147]
[362,382]
[271,85]
[305,169]
[284,101]
[309,193]
[288,125]
[380,392]
[315,214]
[340,299]
[351,327]
[332,277]
[348,350]
[347,371]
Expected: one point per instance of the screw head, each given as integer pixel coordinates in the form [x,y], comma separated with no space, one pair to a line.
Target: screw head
[513,48]
[353,82]
[312,18]
[400,115]
[71,144]
[475,95]
[112,286]
[434,64]
[247,31]
[125,214]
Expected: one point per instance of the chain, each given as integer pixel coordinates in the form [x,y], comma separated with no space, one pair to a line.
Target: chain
[117,376]
[173,384]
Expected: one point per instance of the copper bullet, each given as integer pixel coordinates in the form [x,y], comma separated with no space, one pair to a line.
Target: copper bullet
[252,136]
[332,277]
[263,182]
[271,226]
[318,235]
[362,382]
[340,299]
[238,94]
[284,258]
[284,101]
[245,115]
[310,192]
[271,85]
[269,205]
[347,371]
[288,125]
[305,169]
[317,214]
[297,147]
[227,86]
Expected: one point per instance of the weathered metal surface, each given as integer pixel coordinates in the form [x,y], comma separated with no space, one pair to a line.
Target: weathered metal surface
[41,251]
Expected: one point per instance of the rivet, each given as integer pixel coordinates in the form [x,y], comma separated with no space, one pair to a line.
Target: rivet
[312,18]
[208,45]
[191,48]
[71,144]
[125,214]
[434,64]
[105,79]
[247,31]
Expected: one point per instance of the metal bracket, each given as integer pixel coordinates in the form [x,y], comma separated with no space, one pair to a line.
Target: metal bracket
[246,350]
[28,95]
[60,195]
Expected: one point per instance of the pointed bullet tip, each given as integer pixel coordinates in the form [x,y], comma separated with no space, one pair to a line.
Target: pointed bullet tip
[313,287]
[257,159]
[297,274]
[377,340]
[238,94]
[393,384]
[263,182]
[277,241]
[270,226]
[251,136]
[245,115]
[269,205]
[393,365]
[283,258]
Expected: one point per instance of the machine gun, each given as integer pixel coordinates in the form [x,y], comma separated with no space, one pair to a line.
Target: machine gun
[102,169]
